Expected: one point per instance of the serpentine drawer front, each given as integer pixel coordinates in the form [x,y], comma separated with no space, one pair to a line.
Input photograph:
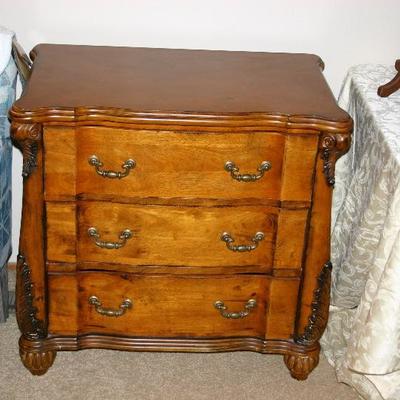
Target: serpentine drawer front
[179,203]
[192,236]
[105,161]
[168,306]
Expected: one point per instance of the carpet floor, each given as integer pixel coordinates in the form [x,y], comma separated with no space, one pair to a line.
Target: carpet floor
[115,375]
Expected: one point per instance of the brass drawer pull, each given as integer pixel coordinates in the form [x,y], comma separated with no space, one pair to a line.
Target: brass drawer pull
[126,166]
[124,236]
[231,167]
[227,238]
[219,305]
[125,305]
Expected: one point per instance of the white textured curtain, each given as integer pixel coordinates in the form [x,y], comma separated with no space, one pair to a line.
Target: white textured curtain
[362,340]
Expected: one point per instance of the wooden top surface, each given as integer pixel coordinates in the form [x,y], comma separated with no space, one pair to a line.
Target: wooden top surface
[178,81]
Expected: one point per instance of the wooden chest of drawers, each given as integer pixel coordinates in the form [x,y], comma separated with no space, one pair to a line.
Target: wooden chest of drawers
[175,200]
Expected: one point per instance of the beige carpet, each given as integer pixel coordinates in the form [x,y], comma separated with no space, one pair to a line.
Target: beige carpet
[114,375]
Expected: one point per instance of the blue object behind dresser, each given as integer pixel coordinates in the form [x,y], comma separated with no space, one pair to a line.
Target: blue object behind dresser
[7,96]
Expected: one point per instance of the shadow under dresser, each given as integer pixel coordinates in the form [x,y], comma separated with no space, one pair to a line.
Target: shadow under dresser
[175,200]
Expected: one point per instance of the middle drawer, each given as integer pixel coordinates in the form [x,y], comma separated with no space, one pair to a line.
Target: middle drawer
[174,236]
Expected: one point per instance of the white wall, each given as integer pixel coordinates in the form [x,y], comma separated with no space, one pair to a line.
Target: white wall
[342,32]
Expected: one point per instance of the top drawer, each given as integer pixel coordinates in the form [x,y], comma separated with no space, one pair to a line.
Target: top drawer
[177,165]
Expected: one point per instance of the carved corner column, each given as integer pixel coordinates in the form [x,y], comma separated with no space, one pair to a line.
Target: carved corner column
[301,364]
[319,309]
[27,138]
[31,344]
[332,147]
[31,283]
[315,289]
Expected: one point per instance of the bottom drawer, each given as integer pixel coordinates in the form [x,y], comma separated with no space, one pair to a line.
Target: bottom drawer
[170,306]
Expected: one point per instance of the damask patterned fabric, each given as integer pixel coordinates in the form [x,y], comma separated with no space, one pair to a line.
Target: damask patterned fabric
[362,339]
[7,95]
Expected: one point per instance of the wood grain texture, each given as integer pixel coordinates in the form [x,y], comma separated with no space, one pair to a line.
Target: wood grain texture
[60,162]
[179,81]
[61,232]
[318,248]
[181,115]
[282,308]
[176,235]
[180,165]
[63,304]
[31,244]
[196,169]
[183,237]
[298,167]
[61,267]
[290,239]
[162,305]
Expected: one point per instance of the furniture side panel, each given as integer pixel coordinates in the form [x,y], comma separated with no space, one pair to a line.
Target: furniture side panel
[290,240]
[317,256]
[282,307]
[31,297]
[299,162]
[60,163]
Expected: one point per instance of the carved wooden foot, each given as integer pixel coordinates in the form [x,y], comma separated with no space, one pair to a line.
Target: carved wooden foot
[301,364]
[34,357]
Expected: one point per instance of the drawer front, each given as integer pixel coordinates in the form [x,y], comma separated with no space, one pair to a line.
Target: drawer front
[172,306]
[177,165]
[175,236]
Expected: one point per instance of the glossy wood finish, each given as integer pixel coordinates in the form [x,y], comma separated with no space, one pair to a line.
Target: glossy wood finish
[167,305]
[181,115]
[171,305]
[175,236]
[157,175]
[393,85]
[30,300]
[180,80]
[61,233]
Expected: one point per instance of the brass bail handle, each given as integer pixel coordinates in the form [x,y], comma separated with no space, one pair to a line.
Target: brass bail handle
[229,240]
[231,167]
[109,312]
[127,166]
[95,235]
[223,309]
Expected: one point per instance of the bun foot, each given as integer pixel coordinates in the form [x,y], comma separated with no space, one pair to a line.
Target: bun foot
[34,357]
[301,364]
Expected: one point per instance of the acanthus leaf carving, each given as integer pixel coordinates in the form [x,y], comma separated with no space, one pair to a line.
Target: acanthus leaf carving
[333,146]
[319,308]
[31,327]
[300,365]
[26,138]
